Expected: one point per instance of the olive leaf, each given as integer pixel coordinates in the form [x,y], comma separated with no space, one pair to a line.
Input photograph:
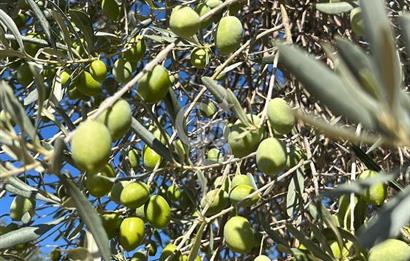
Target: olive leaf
[336,8]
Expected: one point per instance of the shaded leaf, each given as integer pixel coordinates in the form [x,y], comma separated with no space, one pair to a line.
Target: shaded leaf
[89,216]
[335,8]
[308,243]
[197,243]
[388,221]
[11,104]
[43,21]
[9,23]
[83,22]
[334,95]
[150,140]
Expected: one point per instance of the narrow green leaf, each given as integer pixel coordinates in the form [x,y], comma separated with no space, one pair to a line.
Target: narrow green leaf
[9,23]
[22,235]
[335,8]
[150,140]
[197,243]
[89,216]
[11,53]
[12,105]
[325,85]
[330,223]
[40,86]
[295,190]
[389,220]
[237,108]
[308,243]
[83,22]
[43,21]
[383,47]
[360,65]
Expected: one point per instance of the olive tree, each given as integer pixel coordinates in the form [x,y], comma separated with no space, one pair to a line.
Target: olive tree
[204,130]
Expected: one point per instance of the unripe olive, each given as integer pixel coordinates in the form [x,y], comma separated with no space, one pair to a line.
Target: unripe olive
[200,57]
[208,108]
[155,84]
[217,201]
[87,85]
[173,193]
[184,21]
[122,70]
[132,232]
[280,116]
[239,235]
[152,248]
[213,3]
[170,251]
[22,209]
[97,184]
[20,19]
[241,145]
[91,146]
[271,156]
[116,190]
[74,93]
[390,249]
[134,194]
[226,185]
[337,253]
[64,77]
[201,10]
[376,193]
[133,158]
[111,223]
[228,35]
[241,180]
[117,118]
[356,21]
[240,192]
[98,70]
[215,156]
[186,258]
[30,47]
[157,211]
[151,158]
[344,212]
[24,75]
[110,9]
[262,258]
[139,256]
[140,212]
[136,49]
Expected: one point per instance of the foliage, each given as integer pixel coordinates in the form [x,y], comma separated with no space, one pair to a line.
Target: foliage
[182,130]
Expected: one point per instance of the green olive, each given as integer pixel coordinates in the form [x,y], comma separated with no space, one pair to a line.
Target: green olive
[117,119]
[376,193]
[91,146]
[132,233]
[228,35]
[216,201]
[390,249]
[154,85]
[134,194]
[184,21]
[240,192]
[280,116]
[111,223]
[157,211]
[98,70]
[22,209]
[169,253]
[135,49]
[122,70]
[151,158]
[243,145]
[271,156]
[87,85]
[239,235]
[200,58]
[97,184]
[133,158]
